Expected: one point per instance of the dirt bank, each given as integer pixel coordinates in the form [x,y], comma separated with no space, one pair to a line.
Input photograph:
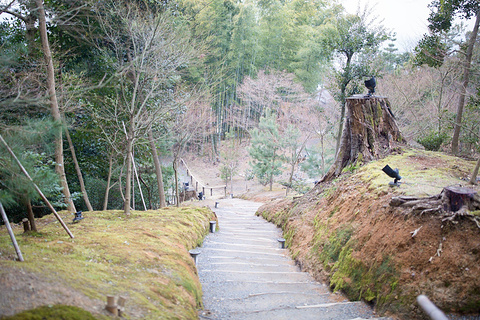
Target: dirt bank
[347,234]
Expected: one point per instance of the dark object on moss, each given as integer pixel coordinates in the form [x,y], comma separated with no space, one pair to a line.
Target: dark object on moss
[392,174]
[78,216]
[56,312]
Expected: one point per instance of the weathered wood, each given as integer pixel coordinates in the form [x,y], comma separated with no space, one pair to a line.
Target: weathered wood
[370,132]
[409,201]
[451,204]
[111,305]
[10,232]
[457,197]
[26,225]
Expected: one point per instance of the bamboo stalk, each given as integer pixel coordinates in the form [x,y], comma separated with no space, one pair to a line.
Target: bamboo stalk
[10,232]
[36,187]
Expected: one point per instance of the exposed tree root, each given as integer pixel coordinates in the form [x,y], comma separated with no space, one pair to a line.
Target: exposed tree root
[452,205]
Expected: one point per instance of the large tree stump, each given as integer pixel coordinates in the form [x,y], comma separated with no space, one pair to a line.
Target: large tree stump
[370,132]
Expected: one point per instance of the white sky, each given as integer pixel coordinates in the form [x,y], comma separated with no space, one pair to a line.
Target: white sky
[408,18]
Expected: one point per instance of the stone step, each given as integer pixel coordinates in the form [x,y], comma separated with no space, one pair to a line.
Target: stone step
[246,275]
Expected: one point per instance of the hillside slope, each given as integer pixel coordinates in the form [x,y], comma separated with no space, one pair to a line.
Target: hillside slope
[347,233]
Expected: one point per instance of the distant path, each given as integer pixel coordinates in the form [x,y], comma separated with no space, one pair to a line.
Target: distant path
[246,275]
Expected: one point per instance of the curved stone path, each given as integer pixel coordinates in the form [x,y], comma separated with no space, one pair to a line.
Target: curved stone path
[246,275]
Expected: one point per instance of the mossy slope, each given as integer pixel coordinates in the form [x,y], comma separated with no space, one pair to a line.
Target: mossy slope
[143,257]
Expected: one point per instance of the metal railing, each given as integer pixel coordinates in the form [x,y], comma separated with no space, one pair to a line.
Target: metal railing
[430,309]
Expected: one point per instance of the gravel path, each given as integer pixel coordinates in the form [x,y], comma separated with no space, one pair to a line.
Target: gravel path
[246,275]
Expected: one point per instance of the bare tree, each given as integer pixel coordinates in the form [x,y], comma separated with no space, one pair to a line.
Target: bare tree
[188,124]
[150,48]
[422,97]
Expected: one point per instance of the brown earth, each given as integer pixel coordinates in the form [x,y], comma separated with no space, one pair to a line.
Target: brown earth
[380,261]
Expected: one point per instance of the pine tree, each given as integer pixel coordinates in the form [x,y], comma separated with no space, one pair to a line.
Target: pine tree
[266,145]
[29,143]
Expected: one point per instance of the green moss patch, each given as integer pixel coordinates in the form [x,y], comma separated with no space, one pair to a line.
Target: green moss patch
[57,312]
[424,173]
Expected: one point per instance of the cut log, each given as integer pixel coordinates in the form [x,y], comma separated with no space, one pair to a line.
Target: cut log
[370,132]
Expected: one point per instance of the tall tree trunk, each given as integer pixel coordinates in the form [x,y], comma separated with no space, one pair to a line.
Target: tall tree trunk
[31,216]
[343,94]
[129,176]
[370,132]
[322,152]
[290,178]
[271,172]
[466,78]
[79,172]
[158,169]
[473,178]
[59,167]
[175,171]
[109,179]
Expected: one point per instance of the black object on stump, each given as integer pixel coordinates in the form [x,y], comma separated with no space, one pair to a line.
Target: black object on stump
[370,84]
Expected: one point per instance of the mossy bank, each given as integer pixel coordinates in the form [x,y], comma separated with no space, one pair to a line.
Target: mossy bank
[346,233]
[142,257]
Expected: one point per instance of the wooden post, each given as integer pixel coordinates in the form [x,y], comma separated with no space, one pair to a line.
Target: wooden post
[10,232]
[37,188]
[26,225]
[191,181]
[111,305]
[196,186]
[121,305]
[211,191]
[203,191]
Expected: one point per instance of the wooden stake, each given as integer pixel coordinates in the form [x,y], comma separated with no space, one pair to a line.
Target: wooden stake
[111,306]
[10,232]
[26,225]
[139,186]
[37,188]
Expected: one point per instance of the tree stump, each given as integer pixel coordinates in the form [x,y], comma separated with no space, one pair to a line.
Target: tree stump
[370,132]
[457,197]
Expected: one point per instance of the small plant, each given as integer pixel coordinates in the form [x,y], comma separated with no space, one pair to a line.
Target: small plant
[433,141]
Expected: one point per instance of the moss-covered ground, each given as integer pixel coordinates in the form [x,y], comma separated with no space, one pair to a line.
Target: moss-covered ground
[143,257]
